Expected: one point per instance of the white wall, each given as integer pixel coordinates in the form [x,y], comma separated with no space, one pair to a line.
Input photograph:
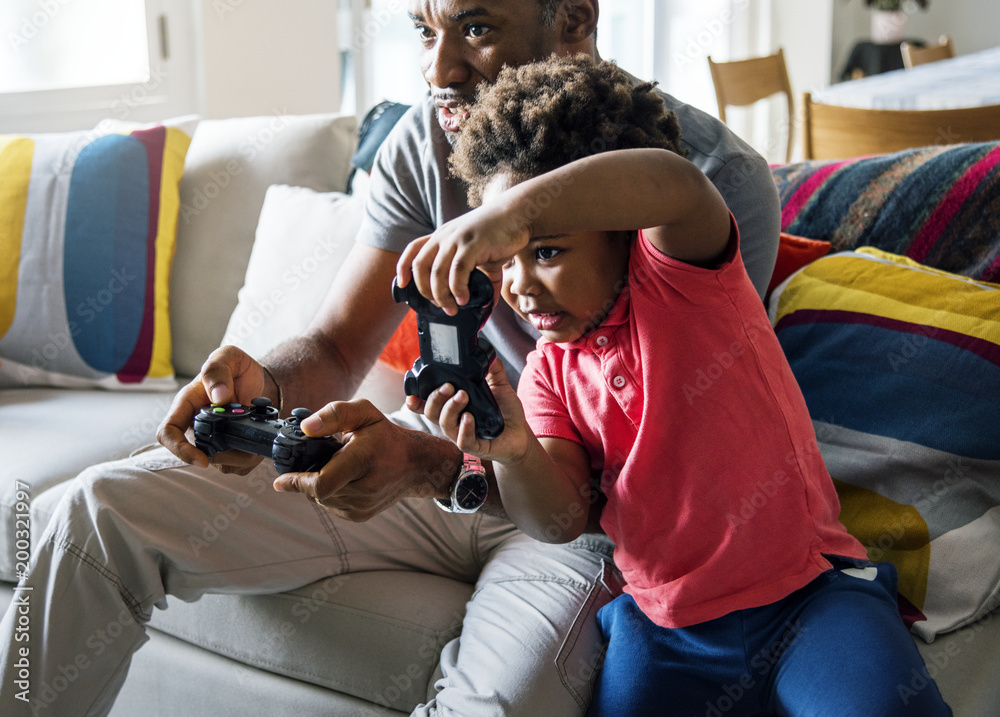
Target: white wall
[805,32]
[270,57]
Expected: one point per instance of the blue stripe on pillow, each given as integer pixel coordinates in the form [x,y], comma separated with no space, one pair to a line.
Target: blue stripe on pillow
[105,251]
[876,380]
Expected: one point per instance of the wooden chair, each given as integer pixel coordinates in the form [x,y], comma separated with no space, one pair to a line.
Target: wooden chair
[834,132]
[745,82]
[913,56]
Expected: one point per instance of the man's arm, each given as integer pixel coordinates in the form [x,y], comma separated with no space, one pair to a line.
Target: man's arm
[356,304]
[744,180]
[747,186]
[342,343]
[381,462]
[328,361]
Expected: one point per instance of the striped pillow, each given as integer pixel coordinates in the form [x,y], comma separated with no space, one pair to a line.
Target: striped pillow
[87,229]
[900,367]
[936,205]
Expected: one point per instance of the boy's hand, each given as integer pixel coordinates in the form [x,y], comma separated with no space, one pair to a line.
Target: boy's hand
[441,263]
[444,407]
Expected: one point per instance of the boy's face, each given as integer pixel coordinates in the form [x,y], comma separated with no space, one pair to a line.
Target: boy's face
[564,285]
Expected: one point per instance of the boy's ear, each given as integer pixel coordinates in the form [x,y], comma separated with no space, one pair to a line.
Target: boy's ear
[579,21]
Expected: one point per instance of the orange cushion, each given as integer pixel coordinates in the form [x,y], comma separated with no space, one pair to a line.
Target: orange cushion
[794,252]
[404,347]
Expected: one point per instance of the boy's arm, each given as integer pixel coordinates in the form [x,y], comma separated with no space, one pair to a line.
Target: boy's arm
[681,211]
[678,207]
[543,483]
[547,495]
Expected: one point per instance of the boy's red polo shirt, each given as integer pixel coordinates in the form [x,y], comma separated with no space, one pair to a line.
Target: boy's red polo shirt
[718,498]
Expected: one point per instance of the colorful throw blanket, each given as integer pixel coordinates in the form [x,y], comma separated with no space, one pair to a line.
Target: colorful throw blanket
[939,206]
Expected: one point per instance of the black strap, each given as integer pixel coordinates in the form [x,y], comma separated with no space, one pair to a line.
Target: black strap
[374,129]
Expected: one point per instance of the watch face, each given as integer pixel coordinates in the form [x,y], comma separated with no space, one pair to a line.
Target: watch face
[471,491]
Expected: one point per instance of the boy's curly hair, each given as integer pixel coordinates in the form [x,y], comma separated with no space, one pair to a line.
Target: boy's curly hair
[545,114]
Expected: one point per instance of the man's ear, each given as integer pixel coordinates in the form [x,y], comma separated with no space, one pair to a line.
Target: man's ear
[579,20]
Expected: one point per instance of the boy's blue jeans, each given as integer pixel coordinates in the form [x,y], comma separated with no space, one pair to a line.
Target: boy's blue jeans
[835,648]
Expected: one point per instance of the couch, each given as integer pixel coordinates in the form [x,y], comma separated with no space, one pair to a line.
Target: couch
[255,227]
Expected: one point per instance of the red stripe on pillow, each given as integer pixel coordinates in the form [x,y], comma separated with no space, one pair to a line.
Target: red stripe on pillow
[135,369]
[804,193]
[950,205]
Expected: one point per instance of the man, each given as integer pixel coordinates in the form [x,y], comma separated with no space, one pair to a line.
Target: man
[108,545]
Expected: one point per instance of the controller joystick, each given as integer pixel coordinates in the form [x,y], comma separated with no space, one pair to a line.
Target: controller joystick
[262,408]
[257,429]
[451,351]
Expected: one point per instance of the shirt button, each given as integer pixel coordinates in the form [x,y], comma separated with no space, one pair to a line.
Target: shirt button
[602,340]
[618,381]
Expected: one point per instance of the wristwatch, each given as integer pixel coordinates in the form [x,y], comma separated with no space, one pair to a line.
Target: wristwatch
[469,492]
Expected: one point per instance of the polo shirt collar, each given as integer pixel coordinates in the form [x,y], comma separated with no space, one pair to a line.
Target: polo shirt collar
[617,316]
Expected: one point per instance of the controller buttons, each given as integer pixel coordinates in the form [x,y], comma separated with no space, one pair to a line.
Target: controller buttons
[301,413]
[618,382]
[218,409]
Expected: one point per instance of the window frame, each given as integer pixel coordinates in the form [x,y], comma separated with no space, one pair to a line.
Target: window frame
[171,90]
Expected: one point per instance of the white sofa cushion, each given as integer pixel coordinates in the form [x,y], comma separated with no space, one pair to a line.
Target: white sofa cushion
[375,635]
[302,239]
[49,435]
[230,165]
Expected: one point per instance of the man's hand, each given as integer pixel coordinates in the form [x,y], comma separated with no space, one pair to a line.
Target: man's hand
[380,463]
[228,375]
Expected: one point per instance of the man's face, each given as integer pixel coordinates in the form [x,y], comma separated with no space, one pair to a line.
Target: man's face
[465,42]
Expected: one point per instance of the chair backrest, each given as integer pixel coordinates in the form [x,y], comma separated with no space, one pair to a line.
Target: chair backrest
[744,82]
[834,132]
[913,56]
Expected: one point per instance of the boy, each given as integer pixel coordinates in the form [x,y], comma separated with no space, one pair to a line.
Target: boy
[658,372]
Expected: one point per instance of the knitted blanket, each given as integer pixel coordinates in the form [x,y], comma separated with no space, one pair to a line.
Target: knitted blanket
[939,206]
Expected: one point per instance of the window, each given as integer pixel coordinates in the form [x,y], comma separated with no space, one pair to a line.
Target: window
[664,40]
[670,41]
[67,64]
[380,54]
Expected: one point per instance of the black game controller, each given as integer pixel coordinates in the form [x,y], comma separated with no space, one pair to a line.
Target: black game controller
[257,429]
[451,351]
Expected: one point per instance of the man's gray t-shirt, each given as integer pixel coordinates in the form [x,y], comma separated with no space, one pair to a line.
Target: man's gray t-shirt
[412,193]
